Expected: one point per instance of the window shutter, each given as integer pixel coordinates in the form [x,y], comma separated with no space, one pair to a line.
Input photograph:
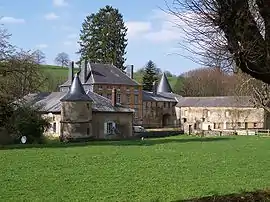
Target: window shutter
[105,128]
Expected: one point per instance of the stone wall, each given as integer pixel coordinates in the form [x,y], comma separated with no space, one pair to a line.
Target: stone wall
[123,124]
[123,120]
[159,114]
[221,118]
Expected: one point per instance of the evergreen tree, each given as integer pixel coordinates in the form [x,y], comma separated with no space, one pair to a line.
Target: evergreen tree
[150,75]
[103,37]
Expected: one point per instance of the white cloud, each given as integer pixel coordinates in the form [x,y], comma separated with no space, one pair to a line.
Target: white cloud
[159,27]
[42,46]
[11,20]
[137,28]
[60,3]
[51,16]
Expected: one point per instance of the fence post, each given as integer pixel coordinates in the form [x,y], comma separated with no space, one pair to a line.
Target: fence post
[268,132]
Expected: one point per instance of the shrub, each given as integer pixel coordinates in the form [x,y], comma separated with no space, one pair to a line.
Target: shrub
[23,120]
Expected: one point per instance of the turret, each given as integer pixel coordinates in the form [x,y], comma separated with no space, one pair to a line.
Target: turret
[164,85]
[76,113]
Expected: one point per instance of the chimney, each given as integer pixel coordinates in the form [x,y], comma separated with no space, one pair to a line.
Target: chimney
[129,71]
[113,97]
[155,87]
[71,71]
[83,71]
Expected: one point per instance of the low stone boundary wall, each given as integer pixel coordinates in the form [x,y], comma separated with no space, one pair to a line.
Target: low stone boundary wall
[153,134]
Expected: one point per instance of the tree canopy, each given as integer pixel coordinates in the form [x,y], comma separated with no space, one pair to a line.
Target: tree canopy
[150,74]
[62,59]
[103,37]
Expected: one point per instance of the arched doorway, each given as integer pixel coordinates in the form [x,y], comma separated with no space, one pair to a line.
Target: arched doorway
[166,120]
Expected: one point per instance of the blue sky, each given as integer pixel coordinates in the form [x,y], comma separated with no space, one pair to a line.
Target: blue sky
[53,26]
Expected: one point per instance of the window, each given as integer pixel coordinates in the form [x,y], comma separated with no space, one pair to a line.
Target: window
[255,125]
[184,120]
[185,113]
[128,98]
[227,113]
[109,128]
[206,113]
[99,87]
[54,127]
[136,99]
[118,98]
[164,104]
[88,106]
[136,112]
[239,124]
[88,131]
[127,88]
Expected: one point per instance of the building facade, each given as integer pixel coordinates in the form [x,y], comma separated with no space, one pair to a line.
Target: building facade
[224,113]
[102,78]
[76,114]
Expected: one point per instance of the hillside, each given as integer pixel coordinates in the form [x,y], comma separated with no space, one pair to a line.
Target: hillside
[58,75]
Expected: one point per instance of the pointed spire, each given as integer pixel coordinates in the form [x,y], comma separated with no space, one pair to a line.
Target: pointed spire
[164,85]
[76,91]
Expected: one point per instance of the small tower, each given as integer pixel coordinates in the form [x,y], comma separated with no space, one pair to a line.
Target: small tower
[164,85]
[76,113]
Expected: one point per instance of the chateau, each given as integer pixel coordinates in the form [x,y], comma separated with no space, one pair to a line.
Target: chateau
[103,102]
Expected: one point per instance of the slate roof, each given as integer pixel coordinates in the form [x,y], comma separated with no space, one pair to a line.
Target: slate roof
[226,101]
[160,97]
[98,73]
[164,85]
[50,102]
[76,92]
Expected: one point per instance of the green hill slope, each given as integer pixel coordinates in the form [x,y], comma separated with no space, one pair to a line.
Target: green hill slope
[58,75]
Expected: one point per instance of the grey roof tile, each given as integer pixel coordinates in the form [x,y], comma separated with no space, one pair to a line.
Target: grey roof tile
[105,74]
[225,101]
[164,85]
[160,97]
[76,92]
[50,102]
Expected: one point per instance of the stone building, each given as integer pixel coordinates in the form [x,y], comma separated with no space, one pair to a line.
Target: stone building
[208,113]
[159,105]
[102,78]
[152,109]
[76,114]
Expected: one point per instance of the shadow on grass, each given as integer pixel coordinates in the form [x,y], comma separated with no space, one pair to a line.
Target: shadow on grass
[262,195]
[145,142]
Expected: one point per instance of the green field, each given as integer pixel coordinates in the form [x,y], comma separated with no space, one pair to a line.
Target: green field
[163,169]
[60,74]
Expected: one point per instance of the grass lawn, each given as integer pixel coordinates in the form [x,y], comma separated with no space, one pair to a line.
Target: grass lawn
[164,169]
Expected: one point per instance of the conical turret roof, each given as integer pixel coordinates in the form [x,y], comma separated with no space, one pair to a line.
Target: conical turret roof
[76,91]
[164,85]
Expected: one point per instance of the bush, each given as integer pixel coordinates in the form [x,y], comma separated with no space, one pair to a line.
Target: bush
[23,120]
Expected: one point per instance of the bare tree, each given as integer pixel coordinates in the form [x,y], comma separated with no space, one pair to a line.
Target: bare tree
[39,56]
[207,82]
[227,32]
[62,59]
[258,91]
